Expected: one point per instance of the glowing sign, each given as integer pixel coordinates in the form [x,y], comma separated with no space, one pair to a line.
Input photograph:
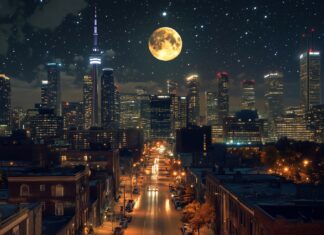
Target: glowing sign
[95,61]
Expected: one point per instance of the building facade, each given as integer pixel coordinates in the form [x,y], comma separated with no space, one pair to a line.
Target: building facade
[222,95]
[52,93]
[310,78]
[72,114]
[87,101]
[212,107]
[193,100]
[5,100]
[248,94]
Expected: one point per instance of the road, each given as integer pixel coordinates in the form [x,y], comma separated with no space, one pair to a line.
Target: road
[154,213]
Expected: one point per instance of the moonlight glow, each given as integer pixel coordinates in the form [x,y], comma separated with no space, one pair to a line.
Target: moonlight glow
[165,44]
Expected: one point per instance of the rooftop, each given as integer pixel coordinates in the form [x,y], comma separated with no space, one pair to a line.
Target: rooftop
[58,171]
[54,224]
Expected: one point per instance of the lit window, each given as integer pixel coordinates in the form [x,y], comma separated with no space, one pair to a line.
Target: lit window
[42,187]
[24,190]
[59,209]
[58,190]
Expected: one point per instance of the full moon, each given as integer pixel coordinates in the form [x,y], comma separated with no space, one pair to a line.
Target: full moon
[165,44]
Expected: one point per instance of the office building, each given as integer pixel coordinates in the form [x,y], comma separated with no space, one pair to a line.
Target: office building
[130,111]
[248,94]
[72,115]
[193,99]
[172,87]
[46,126]
[160,117]
[222,95]
[17,117]
[212,107]
[178,113]
[109,100]
[53,89]
[274,95]
[87,101]
[145,114]
[315,122]
[310,78]
[245,128]
[44,93]
[5,100]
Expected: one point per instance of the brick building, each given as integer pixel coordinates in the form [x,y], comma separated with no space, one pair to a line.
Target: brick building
[61,191]
[258,204]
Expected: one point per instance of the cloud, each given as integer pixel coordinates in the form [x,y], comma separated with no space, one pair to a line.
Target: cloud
[130,87]
[54,12]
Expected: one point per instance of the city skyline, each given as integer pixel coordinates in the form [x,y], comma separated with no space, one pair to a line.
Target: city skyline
[198,36]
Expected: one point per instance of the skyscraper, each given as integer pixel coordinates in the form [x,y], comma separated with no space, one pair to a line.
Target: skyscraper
[222,95]
[130,111]
[172,87]
[193,100]
[95,62]
[145,114]
[17,117]
[274,95]
[87,101]
[212,104]
[310,78]
[109,102]
[53,95]
[5,100]
[248,94]
[44,93]
[160,117]
[72,115]
[178,113]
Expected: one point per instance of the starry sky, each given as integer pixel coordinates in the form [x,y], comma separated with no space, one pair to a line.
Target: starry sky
[246,38]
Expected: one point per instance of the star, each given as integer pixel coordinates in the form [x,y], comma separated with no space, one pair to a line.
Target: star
[164,14]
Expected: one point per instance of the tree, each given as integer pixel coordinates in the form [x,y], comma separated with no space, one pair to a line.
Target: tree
[189,211]
[269,155]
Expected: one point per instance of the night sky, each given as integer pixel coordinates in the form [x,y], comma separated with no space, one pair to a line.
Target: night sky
[246,38]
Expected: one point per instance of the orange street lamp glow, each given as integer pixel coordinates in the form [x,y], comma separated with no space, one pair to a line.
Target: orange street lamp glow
[286,169]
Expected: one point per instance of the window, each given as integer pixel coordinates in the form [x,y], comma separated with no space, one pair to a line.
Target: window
[24,190]
[58,190]
[42,187]
[59,209]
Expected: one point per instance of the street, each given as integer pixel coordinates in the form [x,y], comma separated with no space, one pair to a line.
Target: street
[154,212]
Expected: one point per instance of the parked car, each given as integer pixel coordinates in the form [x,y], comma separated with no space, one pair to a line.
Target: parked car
[123,223]
[186,229]
[135,191]
[118,231]
[128,218]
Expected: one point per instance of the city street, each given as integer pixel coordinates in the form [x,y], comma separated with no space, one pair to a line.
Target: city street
[154,212]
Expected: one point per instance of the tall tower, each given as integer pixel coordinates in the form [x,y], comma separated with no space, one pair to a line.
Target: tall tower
[193,100]
[212,104]
[172,87]
[95,62]
[5,100]
[222,95]
[44,93]
[109,100]
[274,95]
[87,101]
[310,78]
[54,87]
[248,94]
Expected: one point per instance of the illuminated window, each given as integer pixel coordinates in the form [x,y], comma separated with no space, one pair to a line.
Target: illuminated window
[58,190]
[24,190]
[42,187]
[59,209]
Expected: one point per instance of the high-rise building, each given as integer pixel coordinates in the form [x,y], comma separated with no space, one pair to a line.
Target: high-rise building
[17,117]
[44,93]
[310,78]
[212,104]
[87,101]
[160,117]
[193,100]
[72,115]
[178,113]
[95,62]
[53,95]
[315,122]
[244,128]
[145,114]
[172,87]
[46,126]
[222,95]
[248,94]
[130,111]
[5,100]
[274,95]
[109,100]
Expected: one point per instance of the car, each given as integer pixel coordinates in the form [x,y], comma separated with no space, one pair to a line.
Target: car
[131,203]
[135,191]
[118,231]
[186,229]
[123,223]
[128,218]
